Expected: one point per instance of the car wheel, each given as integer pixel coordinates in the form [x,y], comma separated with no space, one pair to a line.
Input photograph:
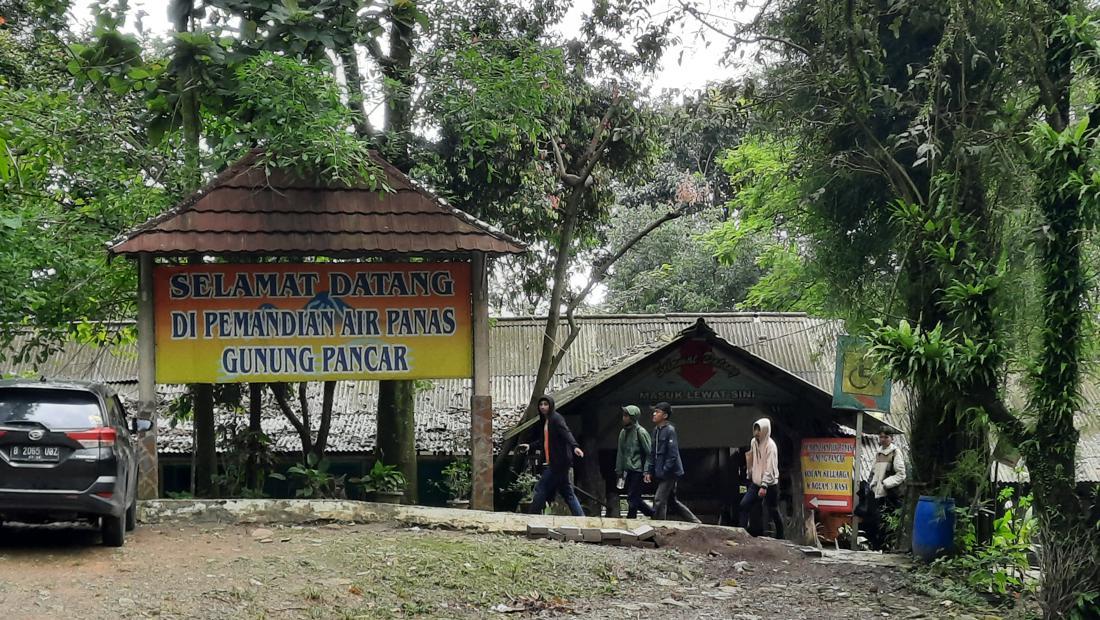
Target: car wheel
[131,516]
[113,530]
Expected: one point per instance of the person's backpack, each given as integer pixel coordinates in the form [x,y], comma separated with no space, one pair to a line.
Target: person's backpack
[865,506]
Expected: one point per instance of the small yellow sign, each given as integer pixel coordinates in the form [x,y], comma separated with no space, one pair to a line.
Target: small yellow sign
[827,473]
[859,378]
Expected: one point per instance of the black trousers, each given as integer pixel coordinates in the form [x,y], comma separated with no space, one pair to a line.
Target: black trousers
[878,534]
[665,499]
[634,501]
[771,500]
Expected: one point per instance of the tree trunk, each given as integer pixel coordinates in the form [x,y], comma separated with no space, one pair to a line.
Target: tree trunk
[563,252]
[354,78]
[321,443]
[398,87]
[206,457]
[1050,453]
[397,431]
[255,428]
[204,454]
[396,438]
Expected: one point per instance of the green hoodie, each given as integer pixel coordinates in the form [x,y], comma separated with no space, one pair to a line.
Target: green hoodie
[634,444]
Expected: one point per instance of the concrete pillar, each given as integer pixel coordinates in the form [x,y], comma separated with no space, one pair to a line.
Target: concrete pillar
[148,478]
[481,403]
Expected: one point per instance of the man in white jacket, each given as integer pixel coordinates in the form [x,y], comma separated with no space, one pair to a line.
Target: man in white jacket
[887,476]
[762,461]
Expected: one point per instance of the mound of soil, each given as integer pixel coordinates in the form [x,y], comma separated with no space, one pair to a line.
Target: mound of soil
[724,542]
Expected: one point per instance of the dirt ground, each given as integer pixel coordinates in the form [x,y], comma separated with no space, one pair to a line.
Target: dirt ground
[374,571]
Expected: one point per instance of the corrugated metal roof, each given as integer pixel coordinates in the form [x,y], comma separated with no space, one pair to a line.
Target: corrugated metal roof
[248,210]
[802,345]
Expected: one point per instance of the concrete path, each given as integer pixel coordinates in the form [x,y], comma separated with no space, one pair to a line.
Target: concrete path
[297,511]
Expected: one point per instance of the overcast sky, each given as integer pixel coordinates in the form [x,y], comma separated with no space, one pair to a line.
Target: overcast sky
[687,68]
[699,64]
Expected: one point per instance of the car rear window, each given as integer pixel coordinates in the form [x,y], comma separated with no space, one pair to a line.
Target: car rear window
[56,409]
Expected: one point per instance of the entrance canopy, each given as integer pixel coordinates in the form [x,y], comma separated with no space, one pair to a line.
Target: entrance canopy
[253,211]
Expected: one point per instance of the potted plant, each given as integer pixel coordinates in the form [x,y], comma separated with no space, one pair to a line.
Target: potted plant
[524,486]
[458,482]
[313,480]
[383,483]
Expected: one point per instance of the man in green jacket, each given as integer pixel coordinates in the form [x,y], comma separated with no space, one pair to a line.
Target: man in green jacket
[634,447]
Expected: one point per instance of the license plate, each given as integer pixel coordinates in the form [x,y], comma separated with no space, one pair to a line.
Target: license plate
[36,454]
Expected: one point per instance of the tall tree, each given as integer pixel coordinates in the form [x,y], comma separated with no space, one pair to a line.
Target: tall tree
[75,170]
[930,98]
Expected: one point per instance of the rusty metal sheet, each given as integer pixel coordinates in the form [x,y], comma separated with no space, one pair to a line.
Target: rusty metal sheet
[252,200]
[249,210]
[309,244]
[298,222]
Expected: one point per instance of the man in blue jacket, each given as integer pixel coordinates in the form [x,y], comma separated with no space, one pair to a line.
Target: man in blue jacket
[551,437]
[663,465]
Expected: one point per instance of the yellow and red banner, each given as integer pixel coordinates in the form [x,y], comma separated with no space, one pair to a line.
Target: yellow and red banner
[827,473]
[225,323]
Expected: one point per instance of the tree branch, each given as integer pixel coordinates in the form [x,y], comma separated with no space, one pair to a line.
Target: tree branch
[278,390]
[699,16]
[303,402]
[598,276]
[568,179]
[326,418]
[375,51]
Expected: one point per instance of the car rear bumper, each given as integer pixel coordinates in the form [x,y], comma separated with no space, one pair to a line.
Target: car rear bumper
[98,499]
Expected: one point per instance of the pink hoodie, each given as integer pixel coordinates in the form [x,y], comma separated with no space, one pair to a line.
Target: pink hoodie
[765,456]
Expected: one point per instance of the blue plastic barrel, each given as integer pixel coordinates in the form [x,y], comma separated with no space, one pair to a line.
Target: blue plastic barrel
[934,527]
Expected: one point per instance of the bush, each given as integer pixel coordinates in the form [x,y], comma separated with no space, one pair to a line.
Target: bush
[457,479]
[997,569]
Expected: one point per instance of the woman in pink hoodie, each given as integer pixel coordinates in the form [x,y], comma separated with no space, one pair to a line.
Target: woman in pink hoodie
[763,464]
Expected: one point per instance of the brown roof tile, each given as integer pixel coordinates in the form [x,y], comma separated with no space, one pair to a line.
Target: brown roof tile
[245,210]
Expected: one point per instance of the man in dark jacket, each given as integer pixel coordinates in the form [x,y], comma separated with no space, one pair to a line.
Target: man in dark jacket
[664,465]
[553,438]
[634,448]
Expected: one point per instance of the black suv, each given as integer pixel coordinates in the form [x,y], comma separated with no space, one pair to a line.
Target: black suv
[67,454]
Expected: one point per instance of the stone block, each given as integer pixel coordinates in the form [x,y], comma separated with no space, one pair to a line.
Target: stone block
[571,533]
[591,535]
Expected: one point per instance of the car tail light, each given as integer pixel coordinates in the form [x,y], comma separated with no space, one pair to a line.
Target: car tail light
[2,433]
[96,443]
[95,438]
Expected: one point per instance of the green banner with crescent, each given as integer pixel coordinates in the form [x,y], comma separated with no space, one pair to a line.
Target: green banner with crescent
[857,385]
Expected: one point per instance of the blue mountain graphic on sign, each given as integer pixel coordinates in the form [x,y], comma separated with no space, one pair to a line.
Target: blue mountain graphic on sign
[268,307]
[322,301]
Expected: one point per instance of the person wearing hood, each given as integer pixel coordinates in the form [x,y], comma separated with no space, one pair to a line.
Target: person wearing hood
[762,461]
[554,440]
[634,448]
[664,465]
